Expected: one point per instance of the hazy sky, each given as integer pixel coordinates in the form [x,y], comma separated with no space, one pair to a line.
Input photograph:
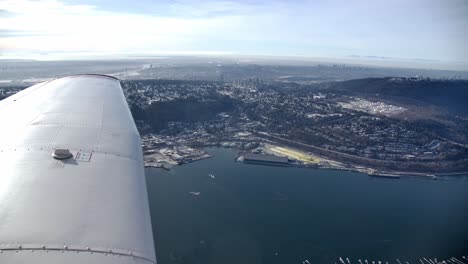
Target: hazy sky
[423,29]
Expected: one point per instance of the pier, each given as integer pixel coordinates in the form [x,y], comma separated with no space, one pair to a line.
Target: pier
[266,160]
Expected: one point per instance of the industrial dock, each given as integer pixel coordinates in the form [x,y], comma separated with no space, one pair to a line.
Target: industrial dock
[266,160]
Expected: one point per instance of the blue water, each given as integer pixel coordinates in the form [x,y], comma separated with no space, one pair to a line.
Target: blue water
[261,214]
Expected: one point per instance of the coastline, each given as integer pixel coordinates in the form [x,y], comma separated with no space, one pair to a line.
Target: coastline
[349,162]
[375,172]
[169,166]
[331,165]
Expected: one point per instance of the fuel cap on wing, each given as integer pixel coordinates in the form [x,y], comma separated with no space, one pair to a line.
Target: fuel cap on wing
[61,154]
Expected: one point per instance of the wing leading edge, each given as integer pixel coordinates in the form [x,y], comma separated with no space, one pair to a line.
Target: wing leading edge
[90,208]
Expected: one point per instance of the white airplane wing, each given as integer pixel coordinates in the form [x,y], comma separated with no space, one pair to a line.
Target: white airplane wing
[91,207]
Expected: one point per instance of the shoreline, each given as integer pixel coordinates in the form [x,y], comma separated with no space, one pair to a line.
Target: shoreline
[354,168]
[166,167]
[376,172]
[384,173]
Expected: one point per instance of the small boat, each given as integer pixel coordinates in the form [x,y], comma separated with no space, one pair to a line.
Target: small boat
[195,193]
[211,176]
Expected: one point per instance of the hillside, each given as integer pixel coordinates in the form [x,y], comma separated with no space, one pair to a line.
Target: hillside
[450,94]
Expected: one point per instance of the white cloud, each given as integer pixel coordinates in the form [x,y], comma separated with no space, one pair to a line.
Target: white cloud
[81,27]
[405,29]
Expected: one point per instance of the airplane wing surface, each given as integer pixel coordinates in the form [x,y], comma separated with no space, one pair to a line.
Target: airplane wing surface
[91,207]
